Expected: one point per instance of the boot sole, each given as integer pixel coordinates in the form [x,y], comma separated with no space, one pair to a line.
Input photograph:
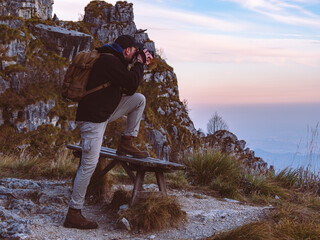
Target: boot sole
[69,225]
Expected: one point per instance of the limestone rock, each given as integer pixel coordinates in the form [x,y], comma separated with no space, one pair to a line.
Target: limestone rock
[27,8]
[33,116]
[12,23]
[15,48]
[160,143]
[108,22]
[24,201]
[18,80]
[4,85]
[1,118]
[66,43]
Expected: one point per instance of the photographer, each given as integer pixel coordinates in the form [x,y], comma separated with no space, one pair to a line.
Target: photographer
[97,109]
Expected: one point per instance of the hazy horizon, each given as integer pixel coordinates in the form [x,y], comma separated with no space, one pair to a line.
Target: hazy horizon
[277,128]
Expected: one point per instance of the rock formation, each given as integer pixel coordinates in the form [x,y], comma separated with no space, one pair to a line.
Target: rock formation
[34,55]
[227,142]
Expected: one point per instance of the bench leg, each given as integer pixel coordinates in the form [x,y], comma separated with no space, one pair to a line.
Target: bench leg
[137,186]
[108,168]
[128,171]
[161,182]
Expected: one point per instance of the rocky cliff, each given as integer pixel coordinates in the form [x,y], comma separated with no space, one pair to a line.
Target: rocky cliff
[34,53]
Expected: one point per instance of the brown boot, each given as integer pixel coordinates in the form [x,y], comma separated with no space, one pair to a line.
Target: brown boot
[74,219]
[126,147]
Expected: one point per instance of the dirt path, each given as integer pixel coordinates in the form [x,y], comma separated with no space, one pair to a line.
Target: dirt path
[41,216]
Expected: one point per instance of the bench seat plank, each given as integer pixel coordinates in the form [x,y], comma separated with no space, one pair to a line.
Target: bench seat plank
[145,162]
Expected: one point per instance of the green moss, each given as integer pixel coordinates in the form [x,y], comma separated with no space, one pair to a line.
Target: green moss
[33,93]
[95,8]
[8,34]
[47,141]
[80,26]
[6,58]
[3,18]
[159,65]
[14,68]
[35,20]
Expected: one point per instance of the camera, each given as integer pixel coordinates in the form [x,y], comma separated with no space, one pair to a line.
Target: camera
[141,52]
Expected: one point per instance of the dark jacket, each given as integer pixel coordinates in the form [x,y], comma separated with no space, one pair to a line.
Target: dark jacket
[98,106]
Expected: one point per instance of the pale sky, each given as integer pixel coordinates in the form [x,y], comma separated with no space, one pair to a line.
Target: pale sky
[235,53]
[232,51]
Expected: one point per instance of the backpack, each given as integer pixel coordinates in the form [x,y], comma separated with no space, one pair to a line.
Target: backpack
[77,75]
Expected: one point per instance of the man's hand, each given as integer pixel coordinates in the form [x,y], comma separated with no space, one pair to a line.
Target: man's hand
[148,56]
[144,57]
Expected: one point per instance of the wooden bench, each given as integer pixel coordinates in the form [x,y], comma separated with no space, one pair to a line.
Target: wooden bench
[140,166]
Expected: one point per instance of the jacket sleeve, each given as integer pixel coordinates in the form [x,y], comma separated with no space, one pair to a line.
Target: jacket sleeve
[122,77]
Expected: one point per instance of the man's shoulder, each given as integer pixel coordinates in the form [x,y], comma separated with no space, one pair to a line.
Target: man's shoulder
[109,57]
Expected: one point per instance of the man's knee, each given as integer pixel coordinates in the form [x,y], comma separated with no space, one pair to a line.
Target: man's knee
[88,165]
[141,99]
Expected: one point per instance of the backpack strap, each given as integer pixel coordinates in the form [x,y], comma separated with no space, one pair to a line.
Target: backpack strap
[97,88]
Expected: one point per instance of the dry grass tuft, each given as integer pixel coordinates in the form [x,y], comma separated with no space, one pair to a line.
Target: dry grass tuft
[120,197]
[291,220]
[205,166]
[251,231]
[155,213]
[26,166]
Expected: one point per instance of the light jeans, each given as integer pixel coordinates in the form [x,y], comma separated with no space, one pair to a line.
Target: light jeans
[92,137]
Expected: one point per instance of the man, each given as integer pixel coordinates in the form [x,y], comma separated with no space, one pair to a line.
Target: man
[99,108]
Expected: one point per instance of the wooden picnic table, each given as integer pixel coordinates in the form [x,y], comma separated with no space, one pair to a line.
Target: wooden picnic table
[140,165]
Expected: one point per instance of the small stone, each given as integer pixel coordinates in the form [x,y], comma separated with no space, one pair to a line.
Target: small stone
[231,200]
[124,207]
[201,217]
[124,223]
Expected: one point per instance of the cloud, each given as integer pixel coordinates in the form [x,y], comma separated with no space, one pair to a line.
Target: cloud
[180,19]
[180,36]
[200,47]
[289,12]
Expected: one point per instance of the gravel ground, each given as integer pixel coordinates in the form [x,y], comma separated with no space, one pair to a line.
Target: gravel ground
[206,217]
[36,210]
